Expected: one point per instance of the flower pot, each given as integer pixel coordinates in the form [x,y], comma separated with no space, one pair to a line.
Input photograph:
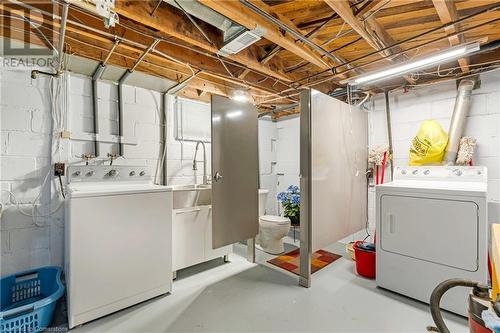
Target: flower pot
[294,220]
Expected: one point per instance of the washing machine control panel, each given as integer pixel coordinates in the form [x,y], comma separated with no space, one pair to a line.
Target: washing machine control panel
[108,173]
[441,173]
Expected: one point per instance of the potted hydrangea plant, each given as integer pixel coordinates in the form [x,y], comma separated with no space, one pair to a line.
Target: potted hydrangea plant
[290,199]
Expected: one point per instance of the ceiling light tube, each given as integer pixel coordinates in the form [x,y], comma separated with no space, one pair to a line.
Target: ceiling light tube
[415,65]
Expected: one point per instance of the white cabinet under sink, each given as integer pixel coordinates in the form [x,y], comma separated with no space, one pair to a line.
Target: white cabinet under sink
[192,237]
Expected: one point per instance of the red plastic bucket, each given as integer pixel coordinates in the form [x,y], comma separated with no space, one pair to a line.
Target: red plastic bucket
[365,261]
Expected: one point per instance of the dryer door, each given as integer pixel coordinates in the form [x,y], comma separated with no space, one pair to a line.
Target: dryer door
[437,230]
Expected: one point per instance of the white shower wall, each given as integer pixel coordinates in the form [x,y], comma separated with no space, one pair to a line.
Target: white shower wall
[278,158]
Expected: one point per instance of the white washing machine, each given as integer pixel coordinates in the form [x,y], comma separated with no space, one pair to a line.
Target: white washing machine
[432,226]
[118,243]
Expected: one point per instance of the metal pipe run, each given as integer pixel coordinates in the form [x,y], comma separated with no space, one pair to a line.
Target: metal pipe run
[121,106]
[181,85]
[458,120]
[389,131]
[95,105]
[62,35]
[117,41]
[291,31]
[144,54]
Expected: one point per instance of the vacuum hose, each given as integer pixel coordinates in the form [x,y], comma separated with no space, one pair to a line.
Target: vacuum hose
[436,296]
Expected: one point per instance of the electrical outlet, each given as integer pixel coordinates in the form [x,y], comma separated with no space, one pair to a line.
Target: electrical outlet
[59,169]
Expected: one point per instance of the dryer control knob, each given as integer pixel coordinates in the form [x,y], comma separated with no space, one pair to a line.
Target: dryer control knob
[113,173]
[414,172]
[132,173]
[457,172]
[426,172]
[142,173]
[89,174]
[76,173]
[403,171]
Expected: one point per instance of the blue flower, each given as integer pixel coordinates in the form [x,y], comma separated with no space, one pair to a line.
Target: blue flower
[293,189]
[295,199]
[283,197]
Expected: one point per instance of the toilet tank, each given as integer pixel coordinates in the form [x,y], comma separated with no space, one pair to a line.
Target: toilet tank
[262,201]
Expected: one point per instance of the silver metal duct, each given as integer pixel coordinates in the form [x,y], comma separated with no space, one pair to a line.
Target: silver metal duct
[458,120]
[204,13]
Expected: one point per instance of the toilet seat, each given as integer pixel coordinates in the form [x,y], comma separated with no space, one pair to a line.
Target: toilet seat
[279,220]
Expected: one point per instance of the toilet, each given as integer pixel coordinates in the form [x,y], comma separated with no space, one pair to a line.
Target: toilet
[272,228]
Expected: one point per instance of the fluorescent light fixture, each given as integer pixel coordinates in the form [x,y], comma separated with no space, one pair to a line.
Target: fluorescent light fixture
[241,96]
[415,65]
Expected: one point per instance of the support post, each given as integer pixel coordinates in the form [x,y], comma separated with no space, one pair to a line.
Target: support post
[305,189]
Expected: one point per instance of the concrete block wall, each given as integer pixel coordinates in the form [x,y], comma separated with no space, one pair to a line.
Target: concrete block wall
[26,156]
[180,154]
[24,163]
[408,110]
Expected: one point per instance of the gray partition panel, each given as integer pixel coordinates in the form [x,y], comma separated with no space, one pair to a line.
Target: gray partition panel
[339,157]
[333,161]
[235,171]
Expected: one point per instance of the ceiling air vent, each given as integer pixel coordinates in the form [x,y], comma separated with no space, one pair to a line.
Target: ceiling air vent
[239,42]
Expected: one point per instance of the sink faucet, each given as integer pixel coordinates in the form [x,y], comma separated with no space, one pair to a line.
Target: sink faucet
[205,178]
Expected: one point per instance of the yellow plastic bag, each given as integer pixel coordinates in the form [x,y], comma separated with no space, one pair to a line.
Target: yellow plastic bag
[429,144]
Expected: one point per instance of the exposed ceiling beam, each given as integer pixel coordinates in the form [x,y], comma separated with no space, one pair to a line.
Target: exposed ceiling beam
[371,31]
[240,14]
[92,45]
[276,49]
[447,12]
[371,6]
[175,24]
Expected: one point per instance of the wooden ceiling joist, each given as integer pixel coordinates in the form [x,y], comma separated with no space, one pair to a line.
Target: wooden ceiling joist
[371,31]
[275,67]
[177,25]
[447,12]
[240,14]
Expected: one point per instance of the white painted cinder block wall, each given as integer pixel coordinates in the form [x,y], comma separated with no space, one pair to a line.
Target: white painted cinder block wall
[26,158]
[408,110]
[279,157]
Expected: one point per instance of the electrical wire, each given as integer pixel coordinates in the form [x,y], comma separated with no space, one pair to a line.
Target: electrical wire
[58,119]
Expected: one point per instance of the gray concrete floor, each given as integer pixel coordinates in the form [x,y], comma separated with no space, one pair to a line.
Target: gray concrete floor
[243,297]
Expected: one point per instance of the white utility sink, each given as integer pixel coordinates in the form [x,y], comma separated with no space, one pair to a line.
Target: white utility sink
[186,196]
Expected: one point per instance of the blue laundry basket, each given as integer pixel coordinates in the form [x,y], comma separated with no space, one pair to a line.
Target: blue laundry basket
[28,299]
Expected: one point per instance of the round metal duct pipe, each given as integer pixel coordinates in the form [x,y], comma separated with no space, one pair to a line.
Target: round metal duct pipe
[458,120]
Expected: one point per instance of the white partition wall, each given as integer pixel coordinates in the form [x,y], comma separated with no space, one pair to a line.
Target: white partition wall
[334,153]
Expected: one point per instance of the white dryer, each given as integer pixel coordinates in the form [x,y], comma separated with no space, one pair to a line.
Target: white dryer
[432,226]
[118,240]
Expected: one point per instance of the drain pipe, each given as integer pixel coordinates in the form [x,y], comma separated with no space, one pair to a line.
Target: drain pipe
[95,77]
[389,131]
[121,105]
[458,120]
[120,110]
[97,74]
